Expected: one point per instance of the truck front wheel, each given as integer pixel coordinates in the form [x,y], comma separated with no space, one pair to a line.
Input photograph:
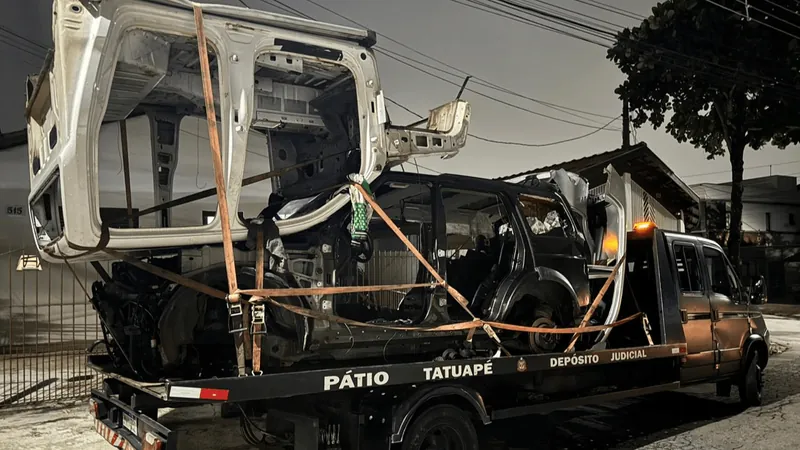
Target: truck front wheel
[751,387]
[441,427]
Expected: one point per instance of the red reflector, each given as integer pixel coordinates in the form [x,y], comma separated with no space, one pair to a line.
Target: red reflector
[94,408]
[214,394]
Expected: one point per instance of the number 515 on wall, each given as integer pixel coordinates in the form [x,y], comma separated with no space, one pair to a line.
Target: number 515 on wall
[15,210]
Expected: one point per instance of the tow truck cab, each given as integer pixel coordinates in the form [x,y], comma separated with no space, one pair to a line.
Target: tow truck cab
[698,290]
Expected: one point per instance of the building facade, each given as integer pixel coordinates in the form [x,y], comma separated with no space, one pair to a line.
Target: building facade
[770,229]
[652,191]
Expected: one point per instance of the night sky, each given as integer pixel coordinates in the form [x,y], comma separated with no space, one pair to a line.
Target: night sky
[532,62]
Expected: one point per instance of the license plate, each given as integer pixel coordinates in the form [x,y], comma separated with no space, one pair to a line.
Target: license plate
[130,424]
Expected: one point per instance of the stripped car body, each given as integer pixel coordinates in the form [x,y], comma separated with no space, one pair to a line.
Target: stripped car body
[527,273]
[311,88]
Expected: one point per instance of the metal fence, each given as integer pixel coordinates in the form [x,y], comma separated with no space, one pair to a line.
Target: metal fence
[47,323]
[46,326]
[780,267]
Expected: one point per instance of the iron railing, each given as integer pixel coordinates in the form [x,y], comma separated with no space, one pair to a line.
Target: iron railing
[46,327]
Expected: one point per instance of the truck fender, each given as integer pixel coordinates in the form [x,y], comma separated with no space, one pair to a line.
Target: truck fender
[752,343]
[405,411]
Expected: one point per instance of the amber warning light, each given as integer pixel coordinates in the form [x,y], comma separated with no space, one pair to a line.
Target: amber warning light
[643,226]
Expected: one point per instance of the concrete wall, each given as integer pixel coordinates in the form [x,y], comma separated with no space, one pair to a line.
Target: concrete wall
[754,217]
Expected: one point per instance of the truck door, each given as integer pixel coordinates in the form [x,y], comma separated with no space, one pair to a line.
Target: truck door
[695,309]
[729,315]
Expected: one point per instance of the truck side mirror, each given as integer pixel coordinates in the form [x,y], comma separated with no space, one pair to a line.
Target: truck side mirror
[758,293]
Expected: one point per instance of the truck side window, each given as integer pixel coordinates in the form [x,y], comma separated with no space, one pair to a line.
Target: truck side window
[688,268]
[545,216]
[718,273]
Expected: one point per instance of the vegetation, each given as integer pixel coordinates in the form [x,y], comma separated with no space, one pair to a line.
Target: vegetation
[719,80]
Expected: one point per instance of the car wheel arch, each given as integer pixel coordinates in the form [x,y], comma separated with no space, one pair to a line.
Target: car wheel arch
[543,285]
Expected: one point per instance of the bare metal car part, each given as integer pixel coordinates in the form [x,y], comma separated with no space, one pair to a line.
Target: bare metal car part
[312,89]
[605,234]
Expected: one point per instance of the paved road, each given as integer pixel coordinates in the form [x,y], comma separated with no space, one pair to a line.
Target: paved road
[688,420]
[693,418]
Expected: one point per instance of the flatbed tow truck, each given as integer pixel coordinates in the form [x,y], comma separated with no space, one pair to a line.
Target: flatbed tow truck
[687,316]
[699,336]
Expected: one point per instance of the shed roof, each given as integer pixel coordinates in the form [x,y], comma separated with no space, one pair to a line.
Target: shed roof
[645,168]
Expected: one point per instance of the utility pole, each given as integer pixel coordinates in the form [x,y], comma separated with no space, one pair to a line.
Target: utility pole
[626,123]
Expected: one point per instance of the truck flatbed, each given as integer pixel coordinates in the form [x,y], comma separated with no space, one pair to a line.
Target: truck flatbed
[128,408]
[292,383]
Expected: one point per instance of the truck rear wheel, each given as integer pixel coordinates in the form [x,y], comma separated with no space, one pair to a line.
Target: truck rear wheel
[441,427]
[751,387]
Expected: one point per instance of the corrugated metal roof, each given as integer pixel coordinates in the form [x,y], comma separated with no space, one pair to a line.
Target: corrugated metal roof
[645,167]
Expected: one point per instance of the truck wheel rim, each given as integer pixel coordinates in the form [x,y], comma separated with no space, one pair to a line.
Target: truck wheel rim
[759,379]
[442,437]
[543,341]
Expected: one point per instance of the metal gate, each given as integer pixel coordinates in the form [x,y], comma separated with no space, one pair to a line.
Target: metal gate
[46,327]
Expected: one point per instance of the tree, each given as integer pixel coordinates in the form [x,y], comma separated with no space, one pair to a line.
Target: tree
[727,82]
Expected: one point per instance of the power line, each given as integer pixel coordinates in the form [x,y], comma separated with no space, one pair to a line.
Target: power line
[548,144]
[426,168]
[472,4]
[612,9]
[3,40]
[19,36]
[723,77]
[503,102]
[282,7]
[745,168]
[286,8]
[555,17]
[407,47]
[747,5]
[520,144]
[575,25]
[400,57]
[782,7]
[754,20]
[580,14]
[404,108]
[294,10]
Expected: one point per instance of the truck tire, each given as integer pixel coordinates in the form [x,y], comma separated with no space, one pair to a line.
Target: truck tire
[441,427]
[751,386]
